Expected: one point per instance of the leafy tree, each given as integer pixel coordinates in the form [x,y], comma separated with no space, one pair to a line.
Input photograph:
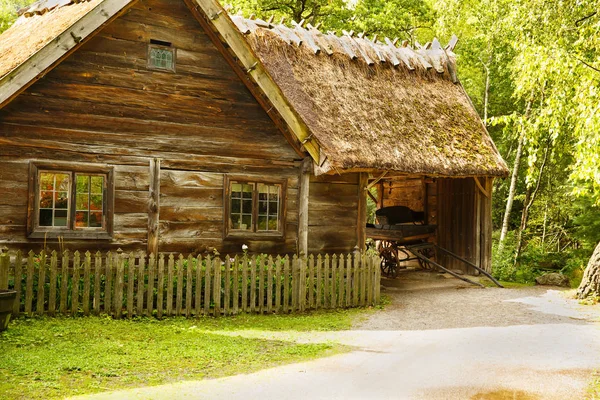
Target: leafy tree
[8,12]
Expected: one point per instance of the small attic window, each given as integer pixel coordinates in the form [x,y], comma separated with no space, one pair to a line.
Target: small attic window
[161,55]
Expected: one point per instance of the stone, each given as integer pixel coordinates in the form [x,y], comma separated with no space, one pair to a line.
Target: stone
[553,279]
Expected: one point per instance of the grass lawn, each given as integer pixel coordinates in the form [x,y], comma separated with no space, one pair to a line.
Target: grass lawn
[57,357]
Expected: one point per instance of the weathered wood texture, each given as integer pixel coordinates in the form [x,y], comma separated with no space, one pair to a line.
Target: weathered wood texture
[404,191]
[464,223]
[333,213]
[102,105]
[211,287]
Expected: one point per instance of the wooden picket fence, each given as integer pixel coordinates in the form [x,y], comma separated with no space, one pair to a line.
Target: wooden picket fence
[129,284]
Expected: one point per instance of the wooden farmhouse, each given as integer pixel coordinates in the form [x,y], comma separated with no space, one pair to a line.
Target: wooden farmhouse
[172,126]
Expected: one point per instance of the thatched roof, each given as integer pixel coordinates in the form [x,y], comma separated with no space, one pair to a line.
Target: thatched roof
[374,105]
[38,25]
[355,104]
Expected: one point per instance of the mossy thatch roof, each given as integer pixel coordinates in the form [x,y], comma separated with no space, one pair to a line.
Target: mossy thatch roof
[376,106]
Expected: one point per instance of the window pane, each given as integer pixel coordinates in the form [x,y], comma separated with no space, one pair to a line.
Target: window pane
[45,217]
[235,221]
[246,222]
[46,181]
[95,220]
[61,200]
[81,219]
[161,58]
[236,190]
[83,183]
[96,203]
[60,218]
[262,207]
[247,191]
[236,206]
[262,223]
[62,182]
[82,201]
[247,206]
[46,199]
[97,185]
[273,224]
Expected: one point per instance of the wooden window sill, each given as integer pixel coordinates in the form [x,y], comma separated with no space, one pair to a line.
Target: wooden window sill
[70,235]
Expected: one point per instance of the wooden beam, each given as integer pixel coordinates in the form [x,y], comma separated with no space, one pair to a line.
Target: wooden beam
[483,191]
[230,35]
[372,197]
[59,48]
[361,224]
[376,180]
[303,194]
[154,207]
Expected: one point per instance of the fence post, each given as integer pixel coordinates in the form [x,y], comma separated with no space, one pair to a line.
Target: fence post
[245,283]
[235,298]
[319,285]
[227,285]
[278,284]
[86,283]
[170,266]
[41,292]
[130,283]
[97,281]
[270,284]
[18,279]
[356,277]
[75,284]
[160,289]
[119,284]
[150,288]
[108,283]
[198,305]
[52,290]
[179,300]
[207,282]
[261,285]
[64,283]
[253,284]
[334,264]
[286,284]
[349,279]
[217,286]
[188,285]
[4,265]
[141,284]
[311,281]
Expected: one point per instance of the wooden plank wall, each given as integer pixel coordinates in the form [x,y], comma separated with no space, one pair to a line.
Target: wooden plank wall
[102,105]
[404,191]
[333,213]
[464,222]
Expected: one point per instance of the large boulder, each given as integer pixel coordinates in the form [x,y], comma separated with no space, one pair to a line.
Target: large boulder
[553,279]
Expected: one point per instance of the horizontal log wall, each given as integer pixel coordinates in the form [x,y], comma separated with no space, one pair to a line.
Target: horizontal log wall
[102,105]
[132,284]
[333,213]
[406,192]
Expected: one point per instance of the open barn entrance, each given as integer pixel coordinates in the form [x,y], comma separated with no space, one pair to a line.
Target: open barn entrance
[430,224]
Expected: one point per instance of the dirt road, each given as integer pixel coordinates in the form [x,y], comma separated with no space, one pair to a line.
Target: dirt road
[438,339]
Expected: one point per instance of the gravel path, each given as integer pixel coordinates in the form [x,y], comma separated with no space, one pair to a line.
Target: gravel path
[438,339]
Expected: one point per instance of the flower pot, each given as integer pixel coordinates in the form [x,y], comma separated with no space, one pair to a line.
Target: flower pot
[7,299]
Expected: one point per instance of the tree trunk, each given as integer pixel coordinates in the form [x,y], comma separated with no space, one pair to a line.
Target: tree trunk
[511,194]
[590,285]
[529,199]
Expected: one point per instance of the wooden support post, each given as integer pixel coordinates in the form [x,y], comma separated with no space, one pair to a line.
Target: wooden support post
[486,228]
[361,223]
[154,207]
[305,171]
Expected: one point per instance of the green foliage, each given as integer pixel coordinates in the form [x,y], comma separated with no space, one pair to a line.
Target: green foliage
[8,12]
[57,357]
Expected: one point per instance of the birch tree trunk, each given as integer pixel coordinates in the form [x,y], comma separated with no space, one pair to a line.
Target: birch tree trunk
[511,194]
[590,285]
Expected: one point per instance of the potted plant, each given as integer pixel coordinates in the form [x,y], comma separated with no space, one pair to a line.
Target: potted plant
[7,299]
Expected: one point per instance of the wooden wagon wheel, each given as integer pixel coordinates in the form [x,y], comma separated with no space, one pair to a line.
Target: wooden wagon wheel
[389,259]
[429,253]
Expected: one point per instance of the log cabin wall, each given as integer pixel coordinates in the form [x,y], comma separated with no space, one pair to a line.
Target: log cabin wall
[333,213]
[404,191]
[464,222]
[102,105]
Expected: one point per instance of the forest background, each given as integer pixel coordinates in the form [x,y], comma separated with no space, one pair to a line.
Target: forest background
[532,69]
